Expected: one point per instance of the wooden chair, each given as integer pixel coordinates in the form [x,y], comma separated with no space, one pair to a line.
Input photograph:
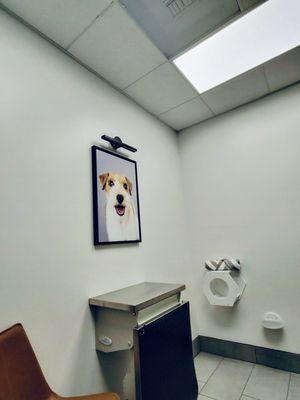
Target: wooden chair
[21,377]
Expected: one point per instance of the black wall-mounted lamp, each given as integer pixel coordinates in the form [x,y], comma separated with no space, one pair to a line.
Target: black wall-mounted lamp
[116,143]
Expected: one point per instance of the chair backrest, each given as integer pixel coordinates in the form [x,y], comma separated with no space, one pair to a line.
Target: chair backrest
[21,377]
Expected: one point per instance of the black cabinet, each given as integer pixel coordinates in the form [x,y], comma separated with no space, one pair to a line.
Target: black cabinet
[164,365]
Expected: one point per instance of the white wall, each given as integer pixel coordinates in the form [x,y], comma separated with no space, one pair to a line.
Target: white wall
[239,178]
[51,111]
[242,197]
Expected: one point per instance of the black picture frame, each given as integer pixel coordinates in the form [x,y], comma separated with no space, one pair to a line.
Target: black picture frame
[98,218]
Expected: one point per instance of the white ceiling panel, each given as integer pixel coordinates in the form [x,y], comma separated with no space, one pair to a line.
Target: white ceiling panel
[60,20]
[283,70]
[116,48]
[240,90]
[161,90]
[187,114]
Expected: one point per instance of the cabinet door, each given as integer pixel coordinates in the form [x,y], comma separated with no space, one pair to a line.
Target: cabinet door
[164,358]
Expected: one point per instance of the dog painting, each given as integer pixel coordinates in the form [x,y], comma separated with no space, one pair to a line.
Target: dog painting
[115,194]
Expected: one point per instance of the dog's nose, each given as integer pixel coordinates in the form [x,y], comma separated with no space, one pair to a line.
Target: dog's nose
[120,198]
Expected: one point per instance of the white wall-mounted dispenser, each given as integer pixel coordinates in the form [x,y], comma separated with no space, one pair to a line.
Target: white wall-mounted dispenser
[272,320]
[223,286]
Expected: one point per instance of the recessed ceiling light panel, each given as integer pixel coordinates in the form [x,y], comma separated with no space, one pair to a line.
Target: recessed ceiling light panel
[264,33]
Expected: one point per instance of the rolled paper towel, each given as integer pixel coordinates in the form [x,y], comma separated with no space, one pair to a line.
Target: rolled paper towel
[211,265]
[233,264]
[214,265]
[223,264]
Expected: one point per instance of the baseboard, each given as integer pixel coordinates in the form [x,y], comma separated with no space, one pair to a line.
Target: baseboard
[196,346]
[246,352]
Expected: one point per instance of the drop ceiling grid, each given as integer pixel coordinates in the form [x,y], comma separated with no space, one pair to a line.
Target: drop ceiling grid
[271,76]
[162,89]
[186,114]
[137,48]
[240,90]
[186,102]
[258,87]
[60,21]
[99,74]
[99,16]
[124,55]
[284,70]
[173,93]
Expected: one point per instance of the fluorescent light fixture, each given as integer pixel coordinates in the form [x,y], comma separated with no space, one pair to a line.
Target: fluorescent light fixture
[262,34]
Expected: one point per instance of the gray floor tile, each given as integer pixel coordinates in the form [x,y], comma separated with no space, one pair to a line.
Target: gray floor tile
[248,398]
[228,381]
[294,391]
[205,365]
[200,385]
[267,384]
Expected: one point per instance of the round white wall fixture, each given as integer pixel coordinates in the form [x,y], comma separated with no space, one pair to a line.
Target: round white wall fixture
[272,320]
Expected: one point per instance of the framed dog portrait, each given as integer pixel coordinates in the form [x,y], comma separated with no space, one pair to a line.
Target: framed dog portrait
[116,209]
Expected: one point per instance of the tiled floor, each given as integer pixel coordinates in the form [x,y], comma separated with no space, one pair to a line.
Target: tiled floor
[226,379]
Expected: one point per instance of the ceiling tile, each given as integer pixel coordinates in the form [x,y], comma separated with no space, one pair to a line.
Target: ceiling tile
[283,70]
[237,91]
[60,20]
[245,4]
[161,90]
[173,33]
[187,114]
[116,48]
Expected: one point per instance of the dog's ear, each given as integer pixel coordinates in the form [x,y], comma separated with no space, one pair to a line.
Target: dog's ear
[129,183]
[103,179]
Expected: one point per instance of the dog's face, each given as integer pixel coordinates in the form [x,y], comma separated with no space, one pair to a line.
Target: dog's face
[118,190]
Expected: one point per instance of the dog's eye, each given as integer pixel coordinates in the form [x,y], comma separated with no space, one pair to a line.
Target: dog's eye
[125,186]
[110,183]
